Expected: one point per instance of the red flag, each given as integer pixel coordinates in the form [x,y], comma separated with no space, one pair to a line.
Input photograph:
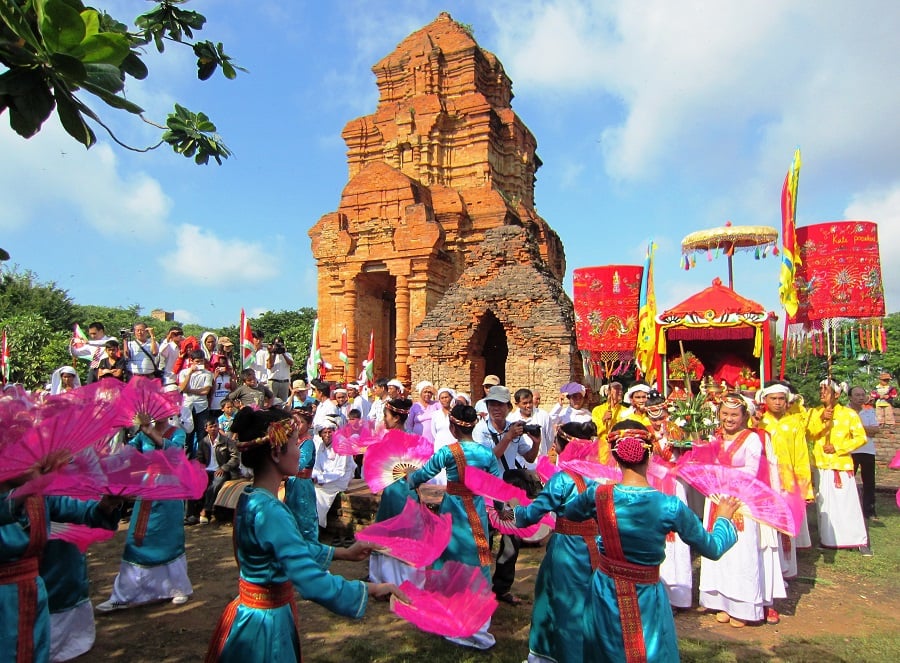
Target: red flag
[4,359]
[248,351]
[368,366]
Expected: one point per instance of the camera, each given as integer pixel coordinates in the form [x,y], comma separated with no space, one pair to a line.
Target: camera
[124,332]
[277,348]
[531,429]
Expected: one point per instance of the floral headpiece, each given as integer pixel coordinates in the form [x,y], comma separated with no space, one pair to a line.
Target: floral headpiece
[461,423]
[277,435]
[630,444]
[395,409]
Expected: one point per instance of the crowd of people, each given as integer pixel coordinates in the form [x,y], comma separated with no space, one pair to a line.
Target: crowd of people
[616,568]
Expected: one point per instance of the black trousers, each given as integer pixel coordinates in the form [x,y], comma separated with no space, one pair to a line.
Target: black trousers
[505,568]
[865,463]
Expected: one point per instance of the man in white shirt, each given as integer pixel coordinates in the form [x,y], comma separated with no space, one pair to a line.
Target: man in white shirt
[278,367]
[325,407]
[331,473]
[357,400]
[376,412]
[94,350]
[140,352]
[168,354]
[486,384]
[575,410]
[529,415]
[507,440]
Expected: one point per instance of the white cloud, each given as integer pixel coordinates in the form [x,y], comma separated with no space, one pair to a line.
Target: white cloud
[883,207]
[186,317]
[198,252]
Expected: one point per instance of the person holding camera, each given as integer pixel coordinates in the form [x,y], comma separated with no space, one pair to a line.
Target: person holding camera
[140,351]
[507,440]
[536,421]
[278,364]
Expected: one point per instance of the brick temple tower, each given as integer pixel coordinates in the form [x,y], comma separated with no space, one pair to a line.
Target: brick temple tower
[436,245]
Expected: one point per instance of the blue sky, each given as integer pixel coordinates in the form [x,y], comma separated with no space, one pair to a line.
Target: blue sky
[653,119]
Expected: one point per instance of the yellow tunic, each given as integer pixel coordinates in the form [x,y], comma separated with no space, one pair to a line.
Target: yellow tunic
[599,412]
[846,434]
[629,413]
[789,442]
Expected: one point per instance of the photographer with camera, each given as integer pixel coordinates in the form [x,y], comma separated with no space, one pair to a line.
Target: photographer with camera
[140,351]
[507,440]
[278,364]
[536,421]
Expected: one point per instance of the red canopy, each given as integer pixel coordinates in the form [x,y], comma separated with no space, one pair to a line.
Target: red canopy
[714,304]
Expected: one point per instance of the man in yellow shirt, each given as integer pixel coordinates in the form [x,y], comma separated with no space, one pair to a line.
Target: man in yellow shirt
[836,431]
[606,414]
[788,433]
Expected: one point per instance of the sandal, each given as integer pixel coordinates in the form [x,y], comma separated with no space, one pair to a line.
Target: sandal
[737,623]
[723,617]
[772,616]
[509,598]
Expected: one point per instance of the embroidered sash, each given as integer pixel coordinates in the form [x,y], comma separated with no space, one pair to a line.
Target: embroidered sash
[140,526]
[259,597]
[304,474]
[586,529]
[459,489]
[624,574]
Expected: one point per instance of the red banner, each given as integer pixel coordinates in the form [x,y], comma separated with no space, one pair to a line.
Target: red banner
[840,272]
[607,300]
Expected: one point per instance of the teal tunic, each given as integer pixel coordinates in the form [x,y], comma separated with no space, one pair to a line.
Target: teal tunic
[164,538]
[271,550]
[300,494]
[644,517]
[65,573]
[563,580]
[13,542]
[462,547]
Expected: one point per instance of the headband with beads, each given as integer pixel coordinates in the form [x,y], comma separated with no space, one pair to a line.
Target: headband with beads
[461,423]
[277,435]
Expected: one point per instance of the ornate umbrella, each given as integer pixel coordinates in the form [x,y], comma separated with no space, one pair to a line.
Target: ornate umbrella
[727,239]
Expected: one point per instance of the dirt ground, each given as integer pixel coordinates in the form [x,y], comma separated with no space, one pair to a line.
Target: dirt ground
[817,605]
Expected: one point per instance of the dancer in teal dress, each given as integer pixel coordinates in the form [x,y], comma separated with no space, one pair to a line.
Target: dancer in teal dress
[634,520]
[299,490]
[469,542]
[274,559]
[24,528]
[393,498]
[564,578]
[154,564]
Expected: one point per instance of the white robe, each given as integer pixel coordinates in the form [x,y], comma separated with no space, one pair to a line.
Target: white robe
[331,473]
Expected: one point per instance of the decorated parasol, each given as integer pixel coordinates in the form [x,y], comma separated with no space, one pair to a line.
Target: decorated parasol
[839,291]
[726,240]
[607,300]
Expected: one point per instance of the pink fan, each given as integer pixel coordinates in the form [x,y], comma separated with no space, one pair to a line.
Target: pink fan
[895,461]
[81,536]
[545,469]
[66,433]
[393,457]
[592,469]
[415,536]
[455,601]
[144,398]
[578,449]
[548,522]
[352,439]
[164,474]
[761,502]
[490,487]
[661,474]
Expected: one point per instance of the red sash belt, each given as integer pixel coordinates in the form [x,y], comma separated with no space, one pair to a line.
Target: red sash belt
[628,572]
[304,474]
[459,489]
[573,528]
[837,477]
[259,597]
[23,573]
[143,517]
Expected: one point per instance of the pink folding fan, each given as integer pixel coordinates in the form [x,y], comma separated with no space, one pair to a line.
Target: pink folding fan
[415,536]
[397,454]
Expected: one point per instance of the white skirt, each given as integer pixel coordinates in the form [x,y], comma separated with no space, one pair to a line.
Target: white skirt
[135,584]
[384,568]
[841,523]
[803,539]
[324,499]
[481,639]
[71,632]
[675,571]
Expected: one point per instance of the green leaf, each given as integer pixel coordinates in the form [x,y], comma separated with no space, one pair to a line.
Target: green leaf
[91,20]
[134,66]
[229,71]
[61,26]
[105,48]
[105,76]
[67,108]
[205,69]
[17,22]
[68,67]
[28,111]
[19,81]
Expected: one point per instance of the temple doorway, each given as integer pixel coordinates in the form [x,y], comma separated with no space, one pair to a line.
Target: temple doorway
[376,311]
[488,351]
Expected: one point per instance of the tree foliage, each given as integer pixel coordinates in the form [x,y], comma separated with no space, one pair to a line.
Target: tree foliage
[21,294]
[36,349]
[60,54]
